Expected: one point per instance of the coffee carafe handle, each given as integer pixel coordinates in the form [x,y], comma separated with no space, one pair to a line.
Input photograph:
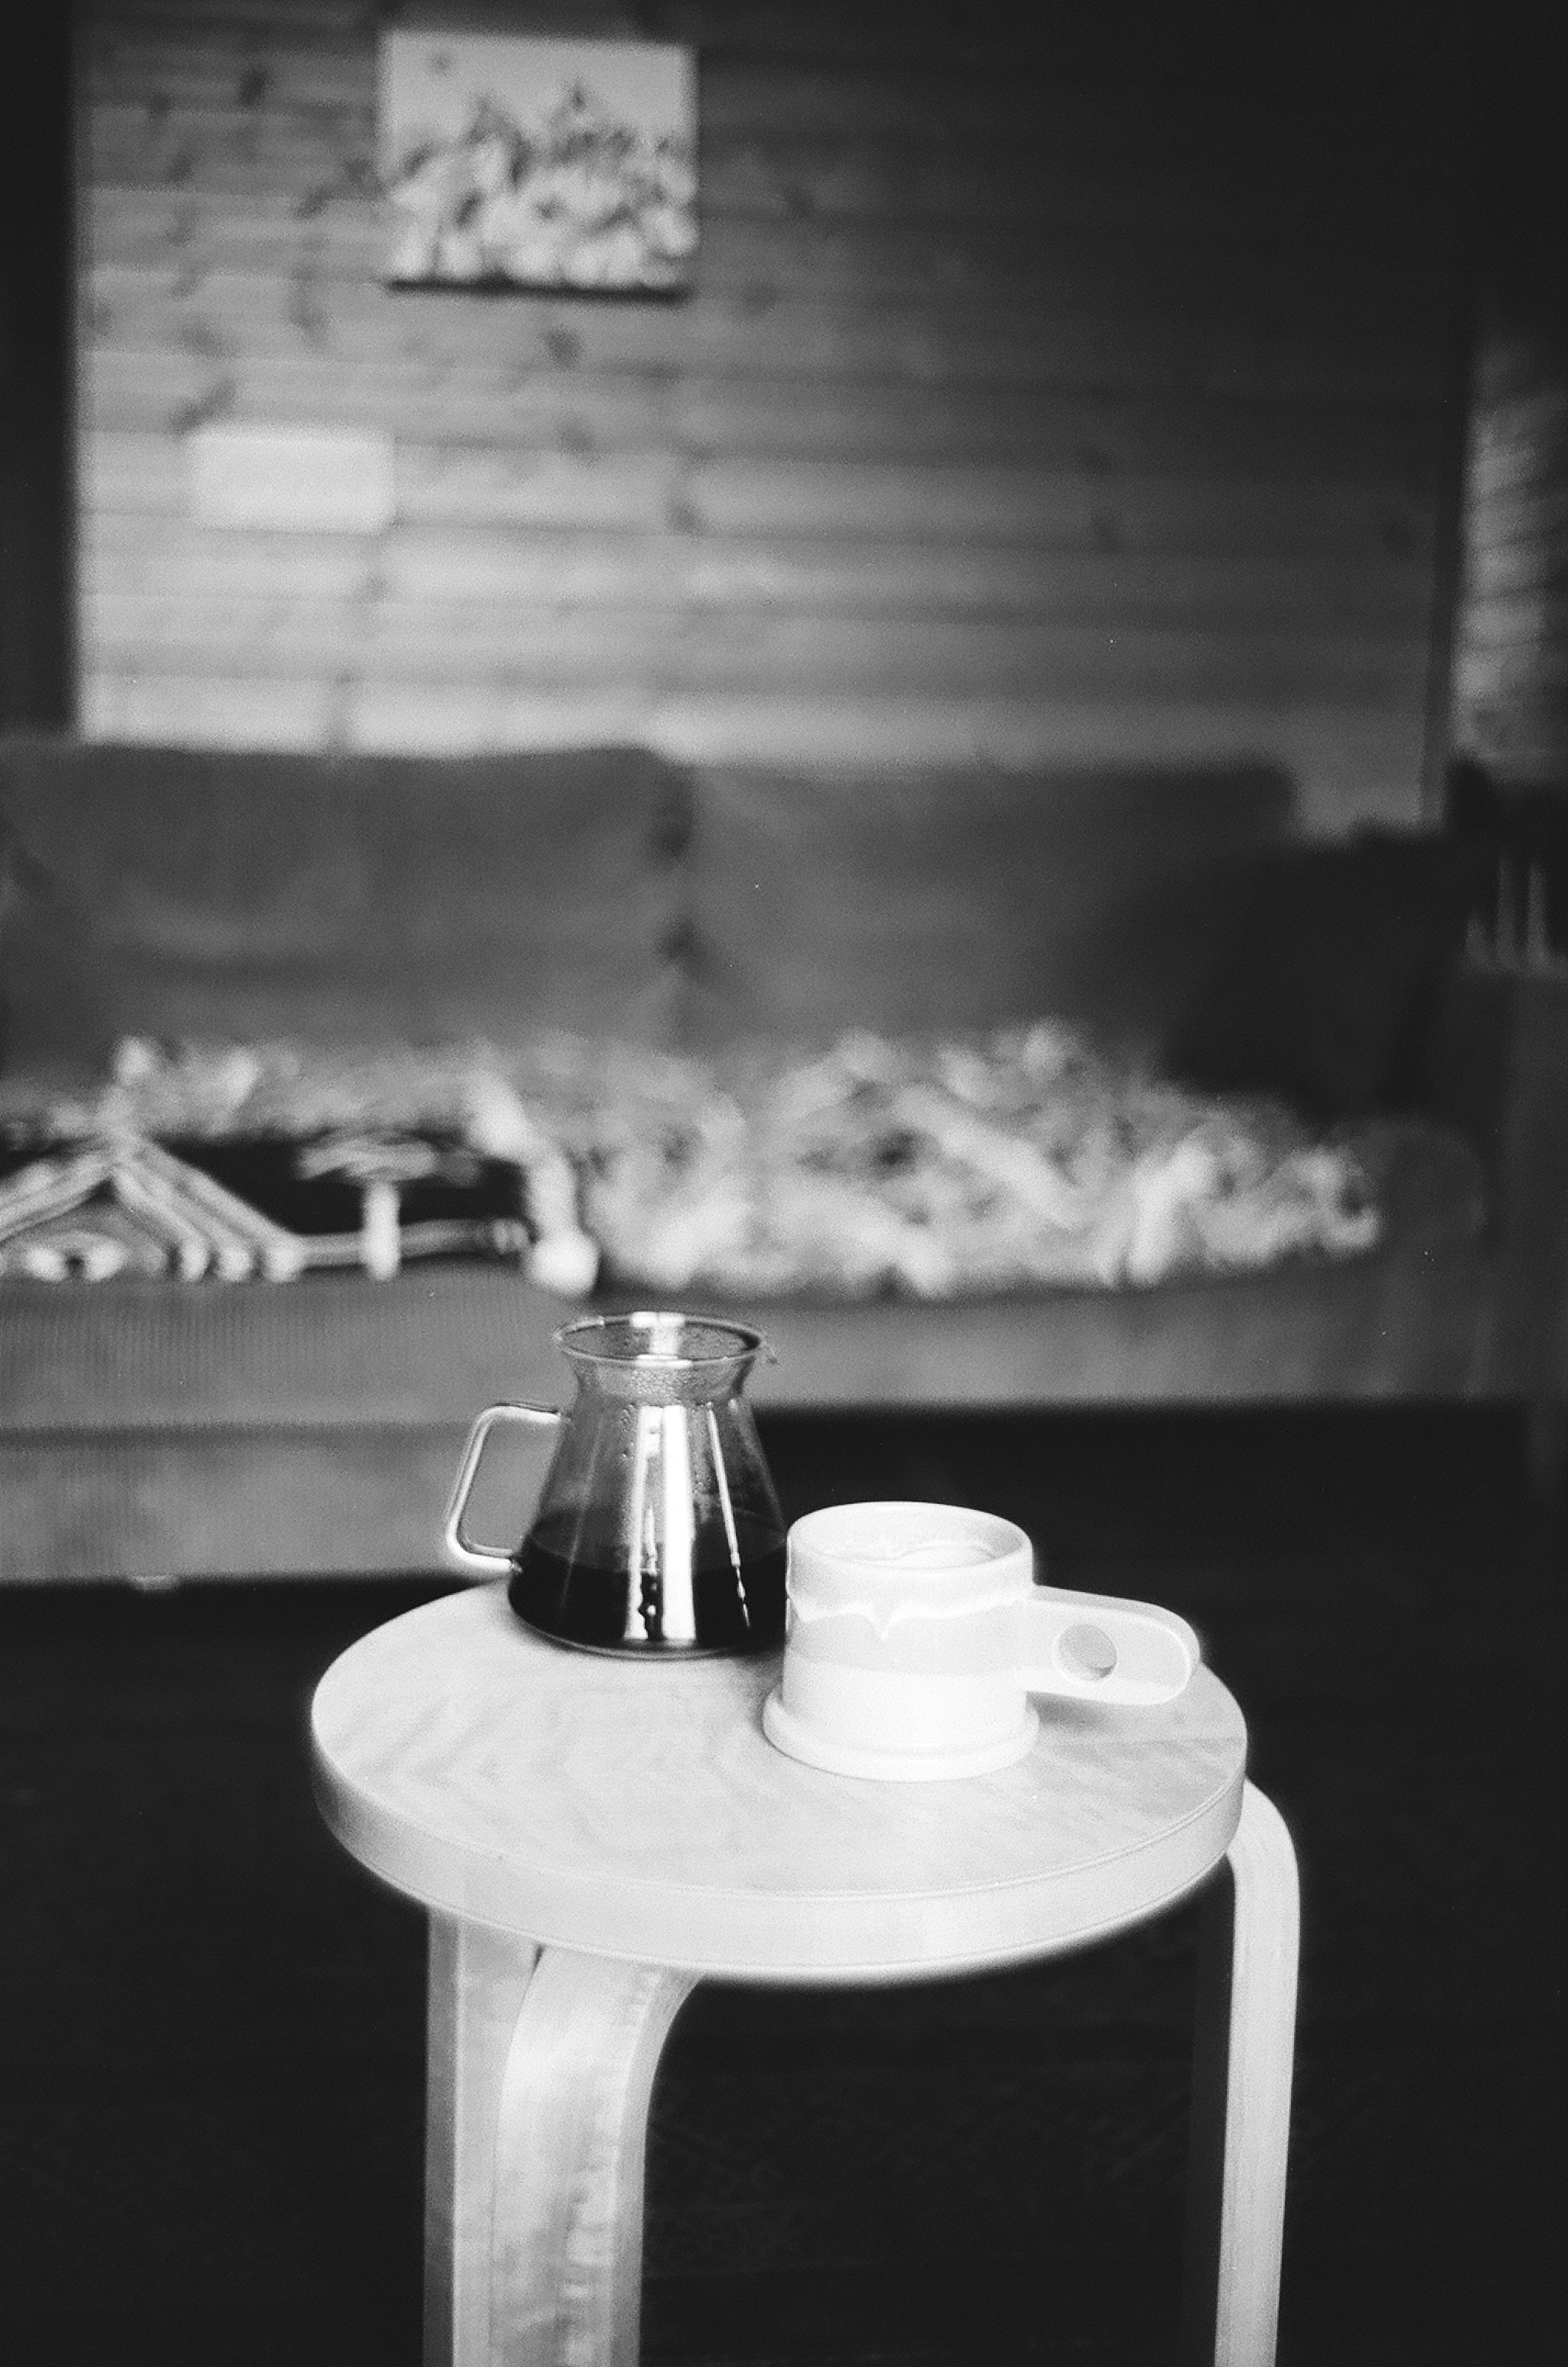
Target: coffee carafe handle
[490,1559]
[1100,1648]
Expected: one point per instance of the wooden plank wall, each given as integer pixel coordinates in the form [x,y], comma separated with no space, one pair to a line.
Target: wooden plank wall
[1511,666]
[1511,640]
[1057,385]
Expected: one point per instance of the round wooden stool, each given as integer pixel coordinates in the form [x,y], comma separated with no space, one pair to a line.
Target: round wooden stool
[593,1836]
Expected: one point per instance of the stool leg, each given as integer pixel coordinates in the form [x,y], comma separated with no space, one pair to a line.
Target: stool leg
[571,2132]
[1243,2061]
[478,1980]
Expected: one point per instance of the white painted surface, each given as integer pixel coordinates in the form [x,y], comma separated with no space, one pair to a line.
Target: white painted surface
[328,480]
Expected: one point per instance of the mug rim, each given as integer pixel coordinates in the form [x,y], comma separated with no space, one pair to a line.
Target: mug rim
[1011,1538]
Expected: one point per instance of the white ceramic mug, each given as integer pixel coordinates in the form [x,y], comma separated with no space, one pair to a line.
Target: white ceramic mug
[916,1635]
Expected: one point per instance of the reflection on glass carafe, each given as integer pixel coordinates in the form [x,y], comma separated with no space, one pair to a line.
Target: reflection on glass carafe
[658,1529]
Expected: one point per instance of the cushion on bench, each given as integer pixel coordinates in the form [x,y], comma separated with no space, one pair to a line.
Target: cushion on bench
[233,896]
[913,901]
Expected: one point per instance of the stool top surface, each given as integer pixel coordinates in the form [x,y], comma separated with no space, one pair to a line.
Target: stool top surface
[635,1810]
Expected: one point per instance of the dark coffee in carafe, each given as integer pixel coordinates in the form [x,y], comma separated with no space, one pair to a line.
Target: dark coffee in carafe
[658,1529]
[727,1600]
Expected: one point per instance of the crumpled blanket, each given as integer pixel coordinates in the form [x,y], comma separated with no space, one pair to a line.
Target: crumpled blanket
[932,1169]
[1026,1159]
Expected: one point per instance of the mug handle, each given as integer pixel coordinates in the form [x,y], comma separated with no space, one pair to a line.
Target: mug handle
[1100,1648]
[490,1559]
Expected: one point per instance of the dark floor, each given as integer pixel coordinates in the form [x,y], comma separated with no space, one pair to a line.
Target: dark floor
[211,2022]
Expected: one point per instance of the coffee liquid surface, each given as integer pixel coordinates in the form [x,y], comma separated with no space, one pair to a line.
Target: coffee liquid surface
[581,1590]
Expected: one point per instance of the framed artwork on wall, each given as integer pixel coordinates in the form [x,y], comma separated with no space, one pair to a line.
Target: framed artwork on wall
[510,162]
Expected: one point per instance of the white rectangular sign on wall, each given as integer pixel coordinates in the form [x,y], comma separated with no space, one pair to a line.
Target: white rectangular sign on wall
[298,480]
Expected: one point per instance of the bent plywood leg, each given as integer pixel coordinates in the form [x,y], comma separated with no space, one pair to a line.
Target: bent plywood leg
[478,1981]
[570,2139]
[1243,2062]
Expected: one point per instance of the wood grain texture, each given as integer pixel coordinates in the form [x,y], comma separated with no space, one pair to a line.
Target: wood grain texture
[1510,679]
[664,653]
[540,2075]
[959,340]
[1085,506]
[503,1781]
[1068,264]
[566,2277]
[499,1777]
[948,322]
[1102,165]
[478,1980]
[663,572]
[547,2130]
[1243,2063]
[767,93]
[451,398]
